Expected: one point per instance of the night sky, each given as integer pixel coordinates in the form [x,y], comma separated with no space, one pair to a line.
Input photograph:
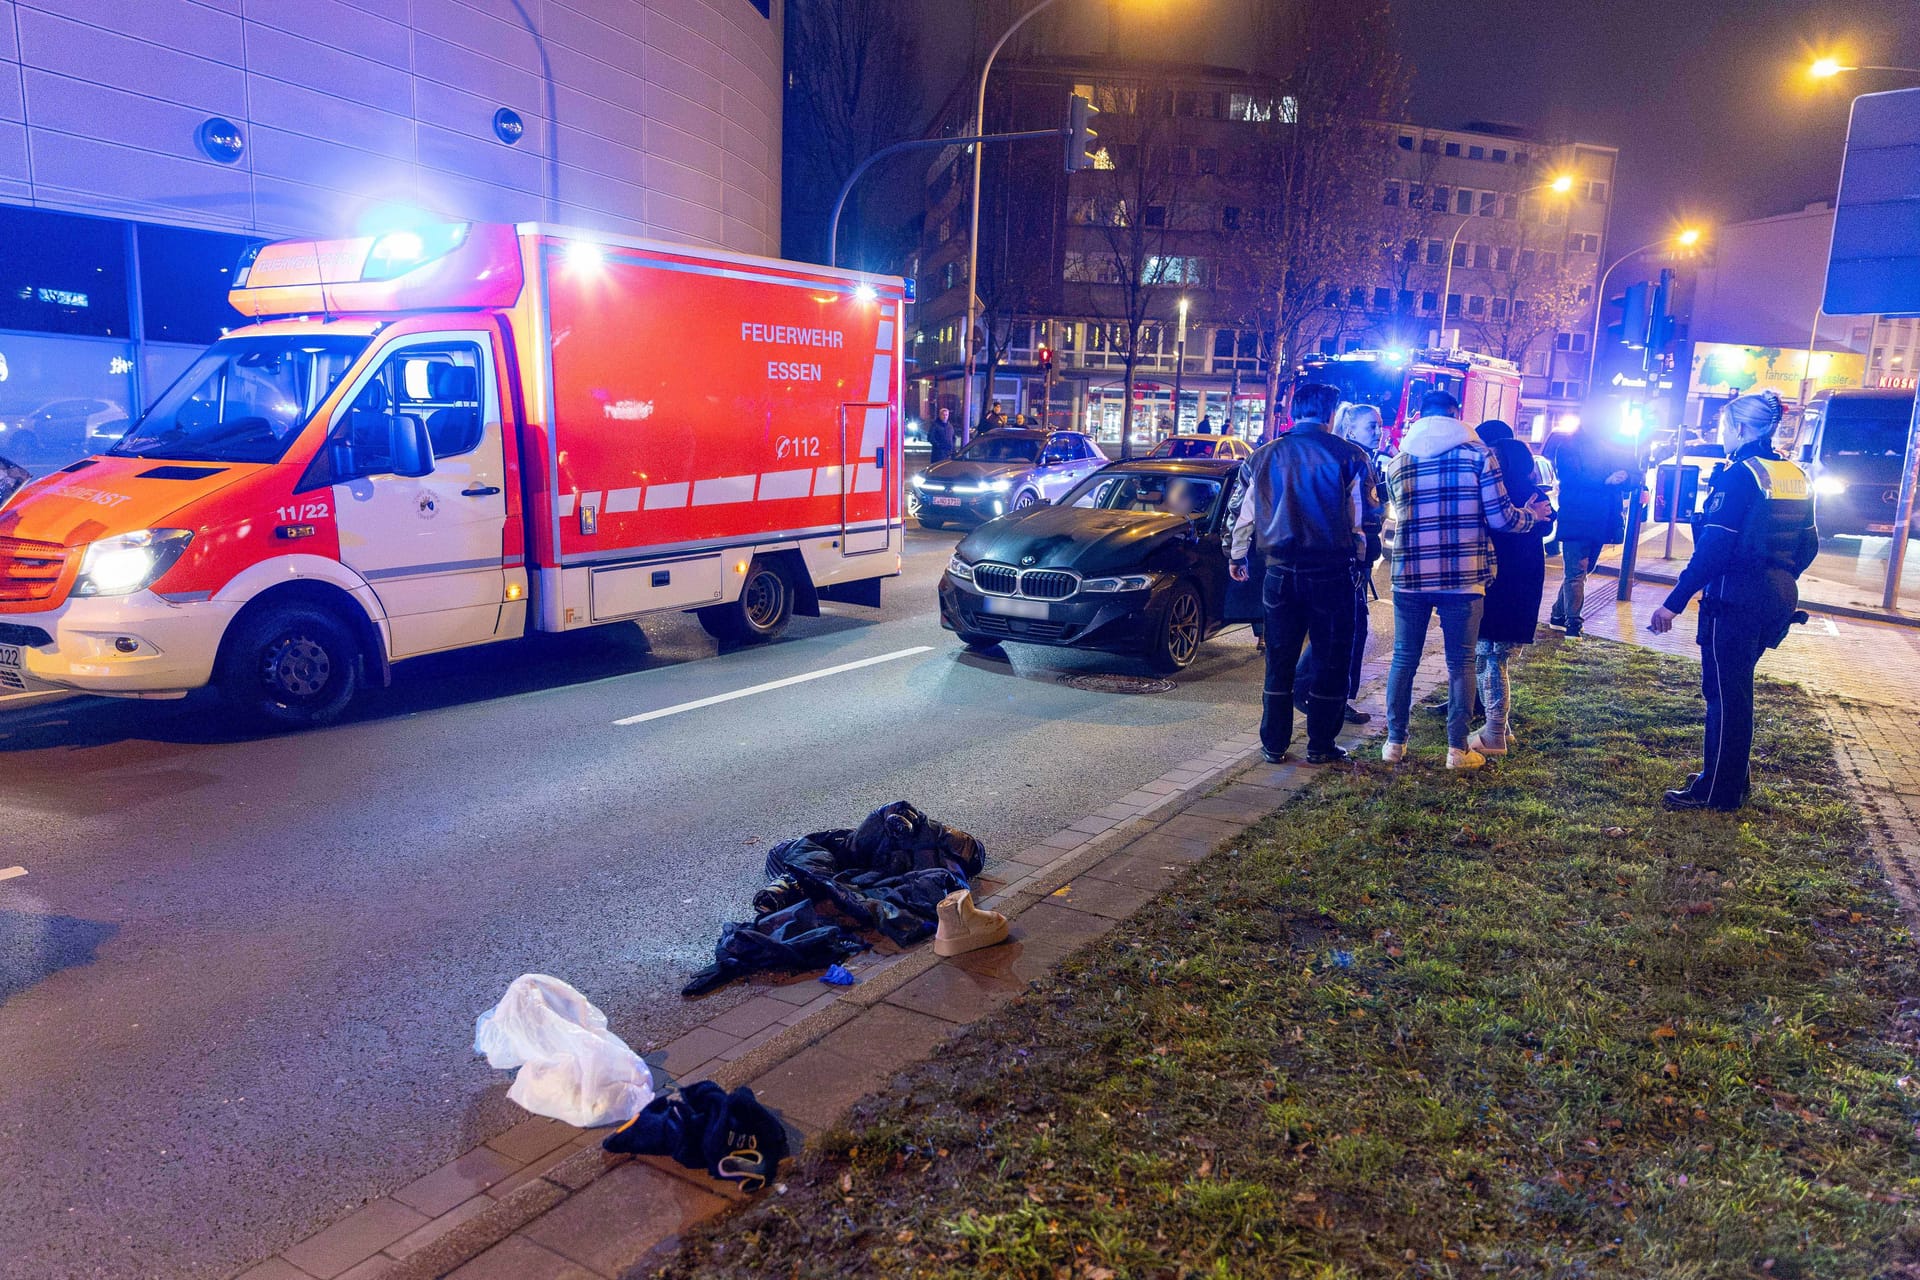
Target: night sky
[1708,100]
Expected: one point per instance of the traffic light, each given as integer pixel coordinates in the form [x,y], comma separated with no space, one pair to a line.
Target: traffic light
[1660,323]
[1045,355]
[1081,138]
[1634,316]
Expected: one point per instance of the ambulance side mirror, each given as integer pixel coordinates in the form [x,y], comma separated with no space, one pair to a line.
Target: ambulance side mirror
[412,447]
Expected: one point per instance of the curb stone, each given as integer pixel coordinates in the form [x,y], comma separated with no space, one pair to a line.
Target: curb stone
[460,1241]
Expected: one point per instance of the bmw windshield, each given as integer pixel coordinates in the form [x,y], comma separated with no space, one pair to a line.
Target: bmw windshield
[244,400]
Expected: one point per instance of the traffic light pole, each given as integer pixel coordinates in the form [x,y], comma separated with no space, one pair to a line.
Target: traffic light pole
[1649,360]
[918,144]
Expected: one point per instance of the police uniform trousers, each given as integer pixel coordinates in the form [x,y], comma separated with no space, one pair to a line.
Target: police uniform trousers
[1730,649]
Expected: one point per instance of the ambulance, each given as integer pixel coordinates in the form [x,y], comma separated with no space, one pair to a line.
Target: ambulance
[453,435]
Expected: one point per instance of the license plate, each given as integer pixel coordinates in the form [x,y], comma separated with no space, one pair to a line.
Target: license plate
[12,667]
[1880,528]
[946,502]
[1016,608]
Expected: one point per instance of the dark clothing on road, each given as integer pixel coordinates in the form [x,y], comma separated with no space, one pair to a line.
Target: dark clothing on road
[1755,539]
[940,436]
[1512,612]
[1307,603]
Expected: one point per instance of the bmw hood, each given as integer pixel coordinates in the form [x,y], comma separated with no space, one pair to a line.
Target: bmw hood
[965,472]
[1089,541]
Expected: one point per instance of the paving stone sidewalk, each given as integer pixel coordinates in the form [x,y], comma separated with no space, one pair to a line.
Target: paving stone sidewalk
[543,1202]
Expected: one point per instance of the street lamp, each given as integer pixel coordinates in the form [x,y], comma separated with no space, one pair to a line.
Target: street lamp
[1179,364]
[1559,186]
[1827,68]
[1686,238]
[973,226]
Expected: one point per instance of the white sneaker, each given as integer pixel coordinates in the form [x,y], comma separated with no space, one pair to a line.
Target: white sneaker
[1468,759]
[1394,752]
[965,927]
[1477,741]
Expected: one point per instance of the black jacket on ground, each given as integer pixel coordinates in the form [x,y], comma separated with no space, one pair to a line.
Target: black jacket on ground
[1591,510]
[1511,613]
[1313,497]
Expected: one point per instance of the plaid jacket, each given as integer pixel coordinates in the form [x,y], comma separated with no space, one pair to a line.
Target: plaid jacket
[1447,498]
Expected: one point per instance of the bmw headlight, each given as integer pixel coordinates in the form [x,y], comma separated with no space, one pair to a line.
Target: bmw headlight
[1130,582]
[120,566]
[1832,486]
[960,569]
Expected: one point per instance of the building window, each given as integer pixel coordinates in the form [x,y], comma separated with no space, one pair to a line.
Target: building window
[1463,203]
[1499,155]
[1453,304]
[1476,153]
[1406,142]
[1436,253]
[1476,305]
[1390,194]
[1256,110]
[1482,257]
[1499,308]
[1509,208]
[1410,252]
[1356,297]
[63,274]
[1570,342]
[1156,215]
[1332,299]
[1546,263]
[1521,158]
[1442,199]
[1453,148]
[1565,390]
[1583,244]
[1416,195]
[1186,103]
[1527,259]
[1597,192]
[1429,301]
[1404,301]
[1230,218]
[1460,254]
[1171,269]
[1586,293]
[1519,308]
[1329,346]
[1430,146]
[1382,299]
[1180,161]
[1489,204]
[184,278]
[1503,260]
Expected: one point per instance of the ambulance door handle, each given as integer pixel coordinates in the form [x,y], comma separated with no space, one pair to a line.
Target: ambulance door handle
[480,491]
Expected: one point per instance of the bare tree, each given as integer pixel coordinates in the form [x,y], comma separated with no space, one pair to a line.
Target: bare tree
[1135,264]
[1531,292]
[852,91]
[1325,161]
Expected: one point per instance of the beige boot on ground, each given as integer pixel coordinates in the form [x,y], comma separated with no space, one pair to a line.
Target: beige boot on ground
[965,927]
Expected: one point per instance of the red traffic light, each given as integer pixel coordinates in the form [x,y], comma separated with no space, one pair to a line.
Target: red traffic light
[1046,357]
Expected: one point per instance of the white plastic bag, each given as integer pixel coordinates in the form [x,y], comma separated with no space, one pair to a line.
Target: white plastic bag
[571,1067]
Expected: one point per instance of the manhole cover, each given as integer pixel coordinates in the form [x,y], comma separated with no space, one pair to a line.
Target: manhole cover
[1103,683]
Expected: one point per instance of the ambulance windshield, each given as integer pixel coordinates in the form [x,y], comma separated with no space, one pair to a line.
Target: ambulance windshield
[244,400]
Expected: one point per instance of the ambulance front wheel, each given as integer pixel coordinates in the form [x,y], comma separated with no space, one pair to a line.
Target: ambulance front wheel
[290,666]
[762,611]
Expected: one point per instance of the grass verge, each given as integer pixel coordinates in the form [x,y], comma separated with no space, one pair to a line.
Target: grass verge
[1422,1024]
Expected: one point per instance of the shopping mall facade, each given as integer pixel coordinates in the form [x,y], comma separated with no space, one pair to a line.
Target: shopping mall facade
[144,144]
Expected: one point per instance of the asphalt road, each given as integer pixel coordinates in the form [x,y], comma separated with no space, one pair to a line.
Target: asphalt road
[237,987]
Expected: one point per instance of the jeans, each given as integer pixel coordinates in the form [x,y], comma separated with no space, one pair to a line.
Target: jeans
[1729,651]
[1314,603]
[1490,671]
[1303,672]
[1579,559]
[1459,628]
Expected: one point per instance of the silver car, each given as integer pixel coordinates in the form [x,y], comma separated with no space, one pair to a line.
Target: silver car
[1002,471]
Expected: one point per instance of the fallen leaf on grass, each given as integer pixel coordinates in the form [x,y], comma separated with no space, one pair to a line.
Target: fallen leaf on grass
[1665,1032]
[1613,833]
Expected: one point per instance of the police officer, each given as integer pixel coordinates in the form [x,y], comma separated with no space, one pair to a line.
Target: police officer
[1754,539]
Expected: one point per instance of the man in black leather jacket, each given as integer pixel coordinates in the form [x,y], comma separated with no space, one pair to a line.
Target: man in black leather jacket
[1312,498]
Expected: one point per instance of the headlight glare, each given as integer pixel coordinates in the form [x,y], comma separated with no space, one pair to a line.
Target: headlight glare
[1832,486]
[917,480]
[122,565]
[997,486]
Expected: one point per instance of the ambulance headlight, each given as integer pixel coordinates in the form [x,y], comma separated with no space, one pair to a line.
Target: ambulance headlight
[120,566]
[1831,486]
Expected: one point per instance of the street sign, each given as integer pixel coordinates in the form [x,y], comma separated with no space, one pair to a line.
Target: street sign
[1873,267]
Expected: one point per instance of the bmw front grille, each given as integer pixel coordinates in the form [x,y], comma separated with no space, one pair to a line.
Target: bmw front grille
[1029,584]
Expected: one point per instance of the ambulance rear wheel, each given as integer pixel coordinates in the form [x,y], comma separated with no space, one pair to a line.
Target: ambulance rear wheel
[291,666]
[762,612]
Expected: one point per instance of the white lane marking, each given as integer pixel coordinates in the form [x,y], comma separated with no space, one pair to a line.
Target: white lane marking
[1828,624]
[8,873]
[771,685]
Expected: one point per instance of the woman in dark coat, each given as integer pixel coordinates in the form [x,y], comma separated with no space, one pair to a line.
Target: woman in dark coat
[1511,615]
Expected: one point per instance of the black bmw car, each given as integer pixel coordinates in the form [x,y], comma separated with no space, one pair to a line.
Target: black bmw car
[1132,559]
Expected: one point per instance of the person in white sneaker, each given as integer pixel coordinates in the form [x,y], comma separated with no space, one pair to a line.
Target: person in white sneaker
[1511,616]
[1447,499]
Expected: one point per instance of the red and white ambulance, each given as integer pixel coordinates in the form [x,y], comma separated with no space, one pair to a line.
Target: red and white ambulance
[449,436]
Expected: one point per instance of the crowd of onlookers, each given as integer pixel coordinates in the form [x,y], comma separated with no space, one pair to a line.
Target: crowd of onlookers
[1472,515]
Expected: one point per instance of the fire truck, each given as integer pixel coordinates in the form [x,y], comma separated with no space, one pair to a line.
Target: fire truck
[459,434]
[1394,380]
